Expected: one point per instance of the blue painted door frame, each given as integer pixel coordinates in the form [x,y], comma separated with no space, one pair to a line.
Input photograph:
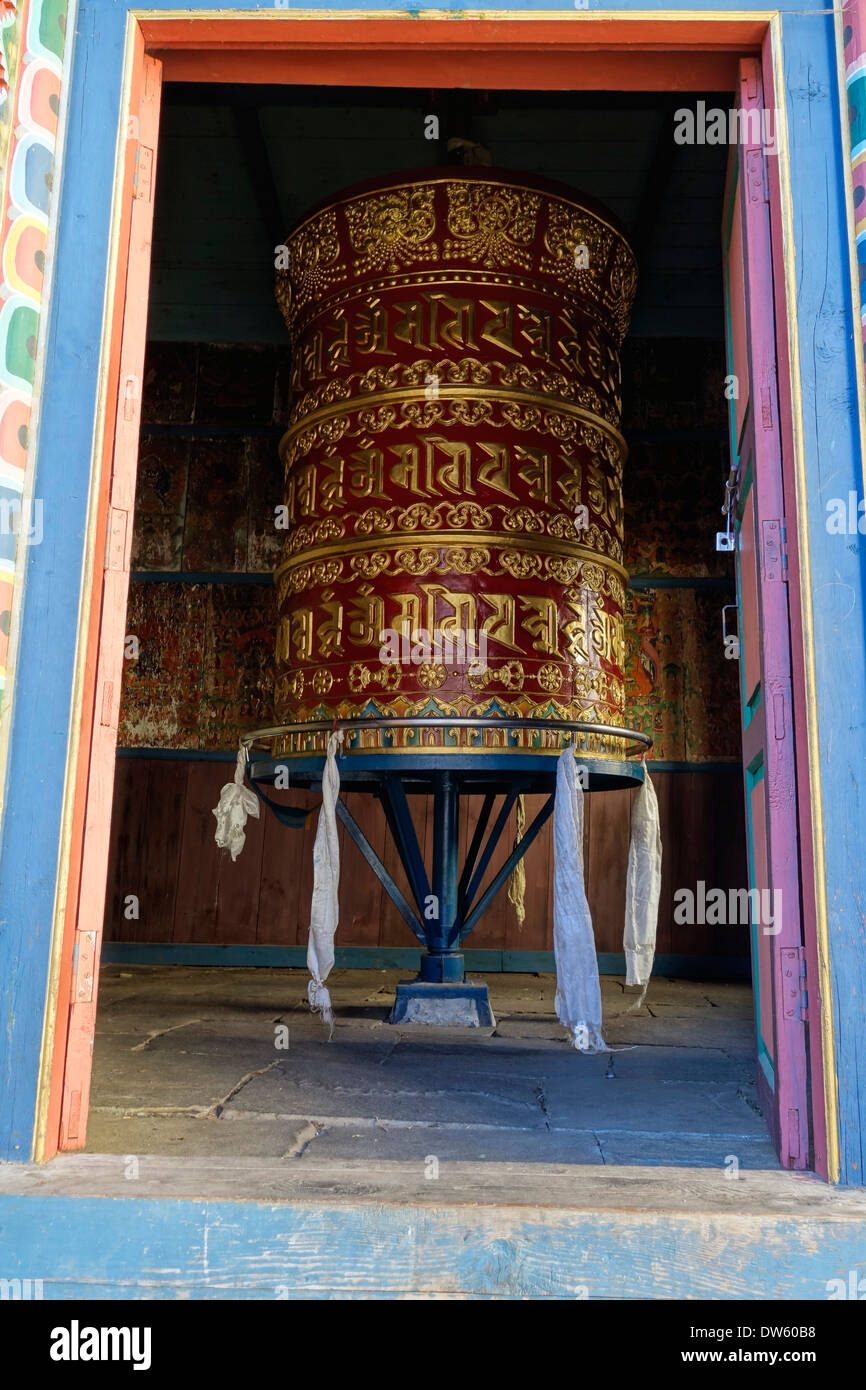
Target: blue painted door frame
[827,430]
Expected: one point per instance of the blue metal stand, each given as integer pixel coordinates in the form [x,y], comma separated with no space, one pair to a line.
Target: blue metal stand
[447,904]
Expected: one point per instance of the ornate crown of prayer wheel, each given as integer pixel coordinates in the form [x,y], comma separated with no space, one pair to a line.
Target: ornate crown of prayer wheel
[453,465]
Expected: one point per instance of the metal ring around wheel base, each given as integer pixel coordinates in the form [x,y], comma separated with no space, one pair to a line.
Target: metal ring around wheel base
[460,894]
[473,768]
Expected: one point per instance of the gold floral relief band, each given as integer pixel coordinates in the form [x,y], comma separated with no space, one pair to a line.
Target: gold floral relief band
[545,383]
[486,221]
[539,544]
[408,396]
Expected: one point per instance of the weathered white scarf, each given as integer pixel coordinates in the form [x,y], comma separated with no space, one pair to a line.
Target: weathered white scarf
[324,910]
[235,804]
[578,993]
[642,889]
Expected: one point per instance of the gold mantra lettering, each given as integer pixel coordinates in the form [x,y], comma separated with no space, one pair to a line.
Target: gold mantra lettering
[320,634]
[586,481]
[432,466]
[592,633]
[441,321]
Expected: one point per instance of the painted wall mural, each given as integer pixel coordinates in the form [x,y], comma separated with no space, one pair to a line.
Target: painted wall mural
[32,36]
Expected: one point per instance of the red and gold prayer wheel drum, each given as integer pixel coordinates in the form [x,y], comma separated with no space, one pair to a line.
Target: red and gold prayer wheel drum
[453,464]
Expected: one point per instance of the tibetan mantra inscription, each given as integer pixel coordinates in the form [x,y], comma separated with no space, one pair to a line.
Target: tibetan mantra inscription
[453,465]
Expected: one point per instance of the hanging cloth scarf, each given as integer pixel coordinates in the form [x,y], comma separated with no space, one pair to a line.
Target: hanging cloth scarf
[578,993]
[324,912]
[642,889]
[517,881]
[236,803]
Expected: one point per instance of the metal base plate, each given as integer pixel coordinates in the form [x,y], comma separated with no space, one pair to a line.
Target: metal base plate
[444,1006]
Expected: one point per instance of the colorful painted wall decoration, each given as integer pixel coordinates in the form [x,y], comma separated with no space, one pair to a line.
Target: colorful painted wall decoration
[854,55]
[32,37]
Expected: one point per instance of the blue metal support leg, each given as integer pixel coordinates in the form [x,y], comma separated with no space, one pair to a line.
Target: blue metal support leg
[444,961]
[441,995]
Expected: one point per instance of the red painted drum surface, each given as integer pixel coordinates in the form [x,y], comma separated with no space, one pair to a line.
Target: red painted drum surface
[453,463]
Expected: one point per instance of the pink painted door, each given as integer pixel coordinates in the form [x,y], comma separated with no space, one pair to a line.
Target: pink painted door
[778,958]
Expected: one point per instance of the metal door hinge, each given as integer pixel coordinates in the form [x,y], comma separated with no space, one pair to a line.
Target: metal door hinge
[767,421]
[84,966]
[756,177]
[117,540]
[795,999]
[774,551]
[142,179]
[107,717]
[793,1135]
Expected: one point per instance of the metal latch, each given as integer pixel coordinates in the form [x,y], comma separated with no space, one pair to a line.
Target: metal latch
[730,639]
[727,539]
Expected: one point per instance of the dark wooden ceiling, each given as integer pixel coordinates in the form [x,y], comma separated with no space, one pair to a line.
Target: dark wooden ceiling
[238,165]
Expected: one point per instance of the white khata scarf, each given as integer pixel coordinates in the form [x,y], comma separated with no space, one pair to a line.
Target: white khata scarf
[642,889]
[578,993]
[324,910]
[236,803]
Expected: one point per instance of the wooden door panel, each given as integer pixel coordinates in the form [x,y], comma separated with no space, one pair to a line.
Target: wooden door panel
[765,645]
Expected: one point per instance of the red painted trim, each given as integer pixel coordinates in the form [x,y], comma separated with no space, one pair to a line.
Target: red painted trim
[577,52]
[801,739]
[518,34]
[568,70]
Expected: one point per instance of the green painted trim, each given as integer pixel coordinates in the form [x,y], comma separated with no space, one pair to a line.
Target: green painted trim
[751,708]
[754,774]
[406,958]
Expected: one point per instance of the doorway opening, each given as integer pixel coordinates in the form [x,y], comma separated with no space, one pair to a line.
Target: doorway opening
[195,1000]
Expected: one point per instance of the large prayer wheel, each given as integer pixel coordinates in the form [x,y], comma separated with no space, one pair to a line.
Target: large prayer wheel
[453,466]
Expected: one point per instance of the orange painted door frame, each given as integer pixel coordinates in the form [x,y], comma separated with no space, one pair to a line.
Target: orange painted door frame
[79,976]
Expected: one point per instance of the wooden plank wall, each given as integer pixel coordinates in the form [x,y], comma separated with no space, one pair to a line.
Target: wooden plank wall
[188,891]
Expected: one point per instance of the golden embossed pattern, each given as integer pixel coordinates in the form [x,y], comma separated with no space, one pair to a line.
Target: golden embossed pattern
[453,465]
